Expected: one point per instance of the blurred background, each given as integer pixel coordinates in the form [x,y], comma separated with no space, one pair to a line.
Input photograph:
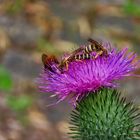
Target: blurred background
[29,28]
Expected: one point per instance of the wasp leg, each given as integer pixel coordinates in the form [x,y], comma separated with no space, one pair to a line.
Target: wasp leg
[98,54]
[67,65]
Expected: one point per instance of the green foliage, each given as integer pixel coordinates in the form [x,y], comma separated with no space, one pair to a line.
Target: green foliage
[46,46]
[104,116]
[43,44]
[131,8]
[5,80]
[15,6]
[19,104]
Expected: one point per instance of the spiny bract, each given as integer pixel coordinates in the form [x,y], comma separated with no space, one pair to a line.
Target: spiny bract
[105,116]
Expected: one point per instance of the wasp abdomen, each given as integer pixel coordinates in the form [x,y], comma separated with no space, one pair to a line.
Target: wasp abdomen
[82,56]
[90,48]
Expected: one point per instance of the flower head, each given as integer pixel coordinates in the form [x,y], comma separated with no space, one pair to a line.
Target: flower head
[83,77]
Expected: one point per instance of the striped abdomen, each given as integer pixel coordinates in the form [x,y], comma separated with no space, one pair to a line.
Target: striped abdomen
[90,48]
[82,56]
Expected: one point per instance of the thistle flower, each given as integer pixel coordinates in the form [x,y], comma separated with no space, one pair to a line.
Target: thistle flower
[86,76]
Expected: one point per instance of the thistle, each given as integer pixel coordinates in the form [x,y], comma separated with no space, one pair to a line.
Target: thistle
[90,86]
[105,116]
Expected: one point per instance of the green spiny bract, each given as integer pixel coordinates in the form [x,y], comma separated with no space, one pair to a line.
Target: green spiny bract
[105,116]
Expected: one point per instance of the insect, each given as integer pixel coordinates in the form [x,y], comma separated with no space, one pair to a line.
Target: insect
[64,63]
[49,62]
[95,47]
[76,57]
[84,53]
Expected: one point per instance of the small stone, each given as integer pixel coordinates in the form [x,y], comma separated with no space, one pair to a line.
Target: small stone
[21,65]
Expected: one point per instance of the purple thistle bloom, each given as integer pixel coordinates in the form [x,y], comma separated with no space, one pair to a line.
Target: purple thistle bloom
[86,76]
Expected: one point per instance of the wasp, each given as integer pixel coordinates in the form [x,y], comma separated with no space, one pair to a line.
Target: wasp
[77,57]
[73,56]
[84,53]
[95,47]
[49,62]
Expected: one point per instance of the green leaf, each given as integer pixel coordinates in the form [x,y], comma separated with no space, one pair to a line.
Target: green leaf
[15,7]
[46,46]
[131,8]
[19,104]
[5,80]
